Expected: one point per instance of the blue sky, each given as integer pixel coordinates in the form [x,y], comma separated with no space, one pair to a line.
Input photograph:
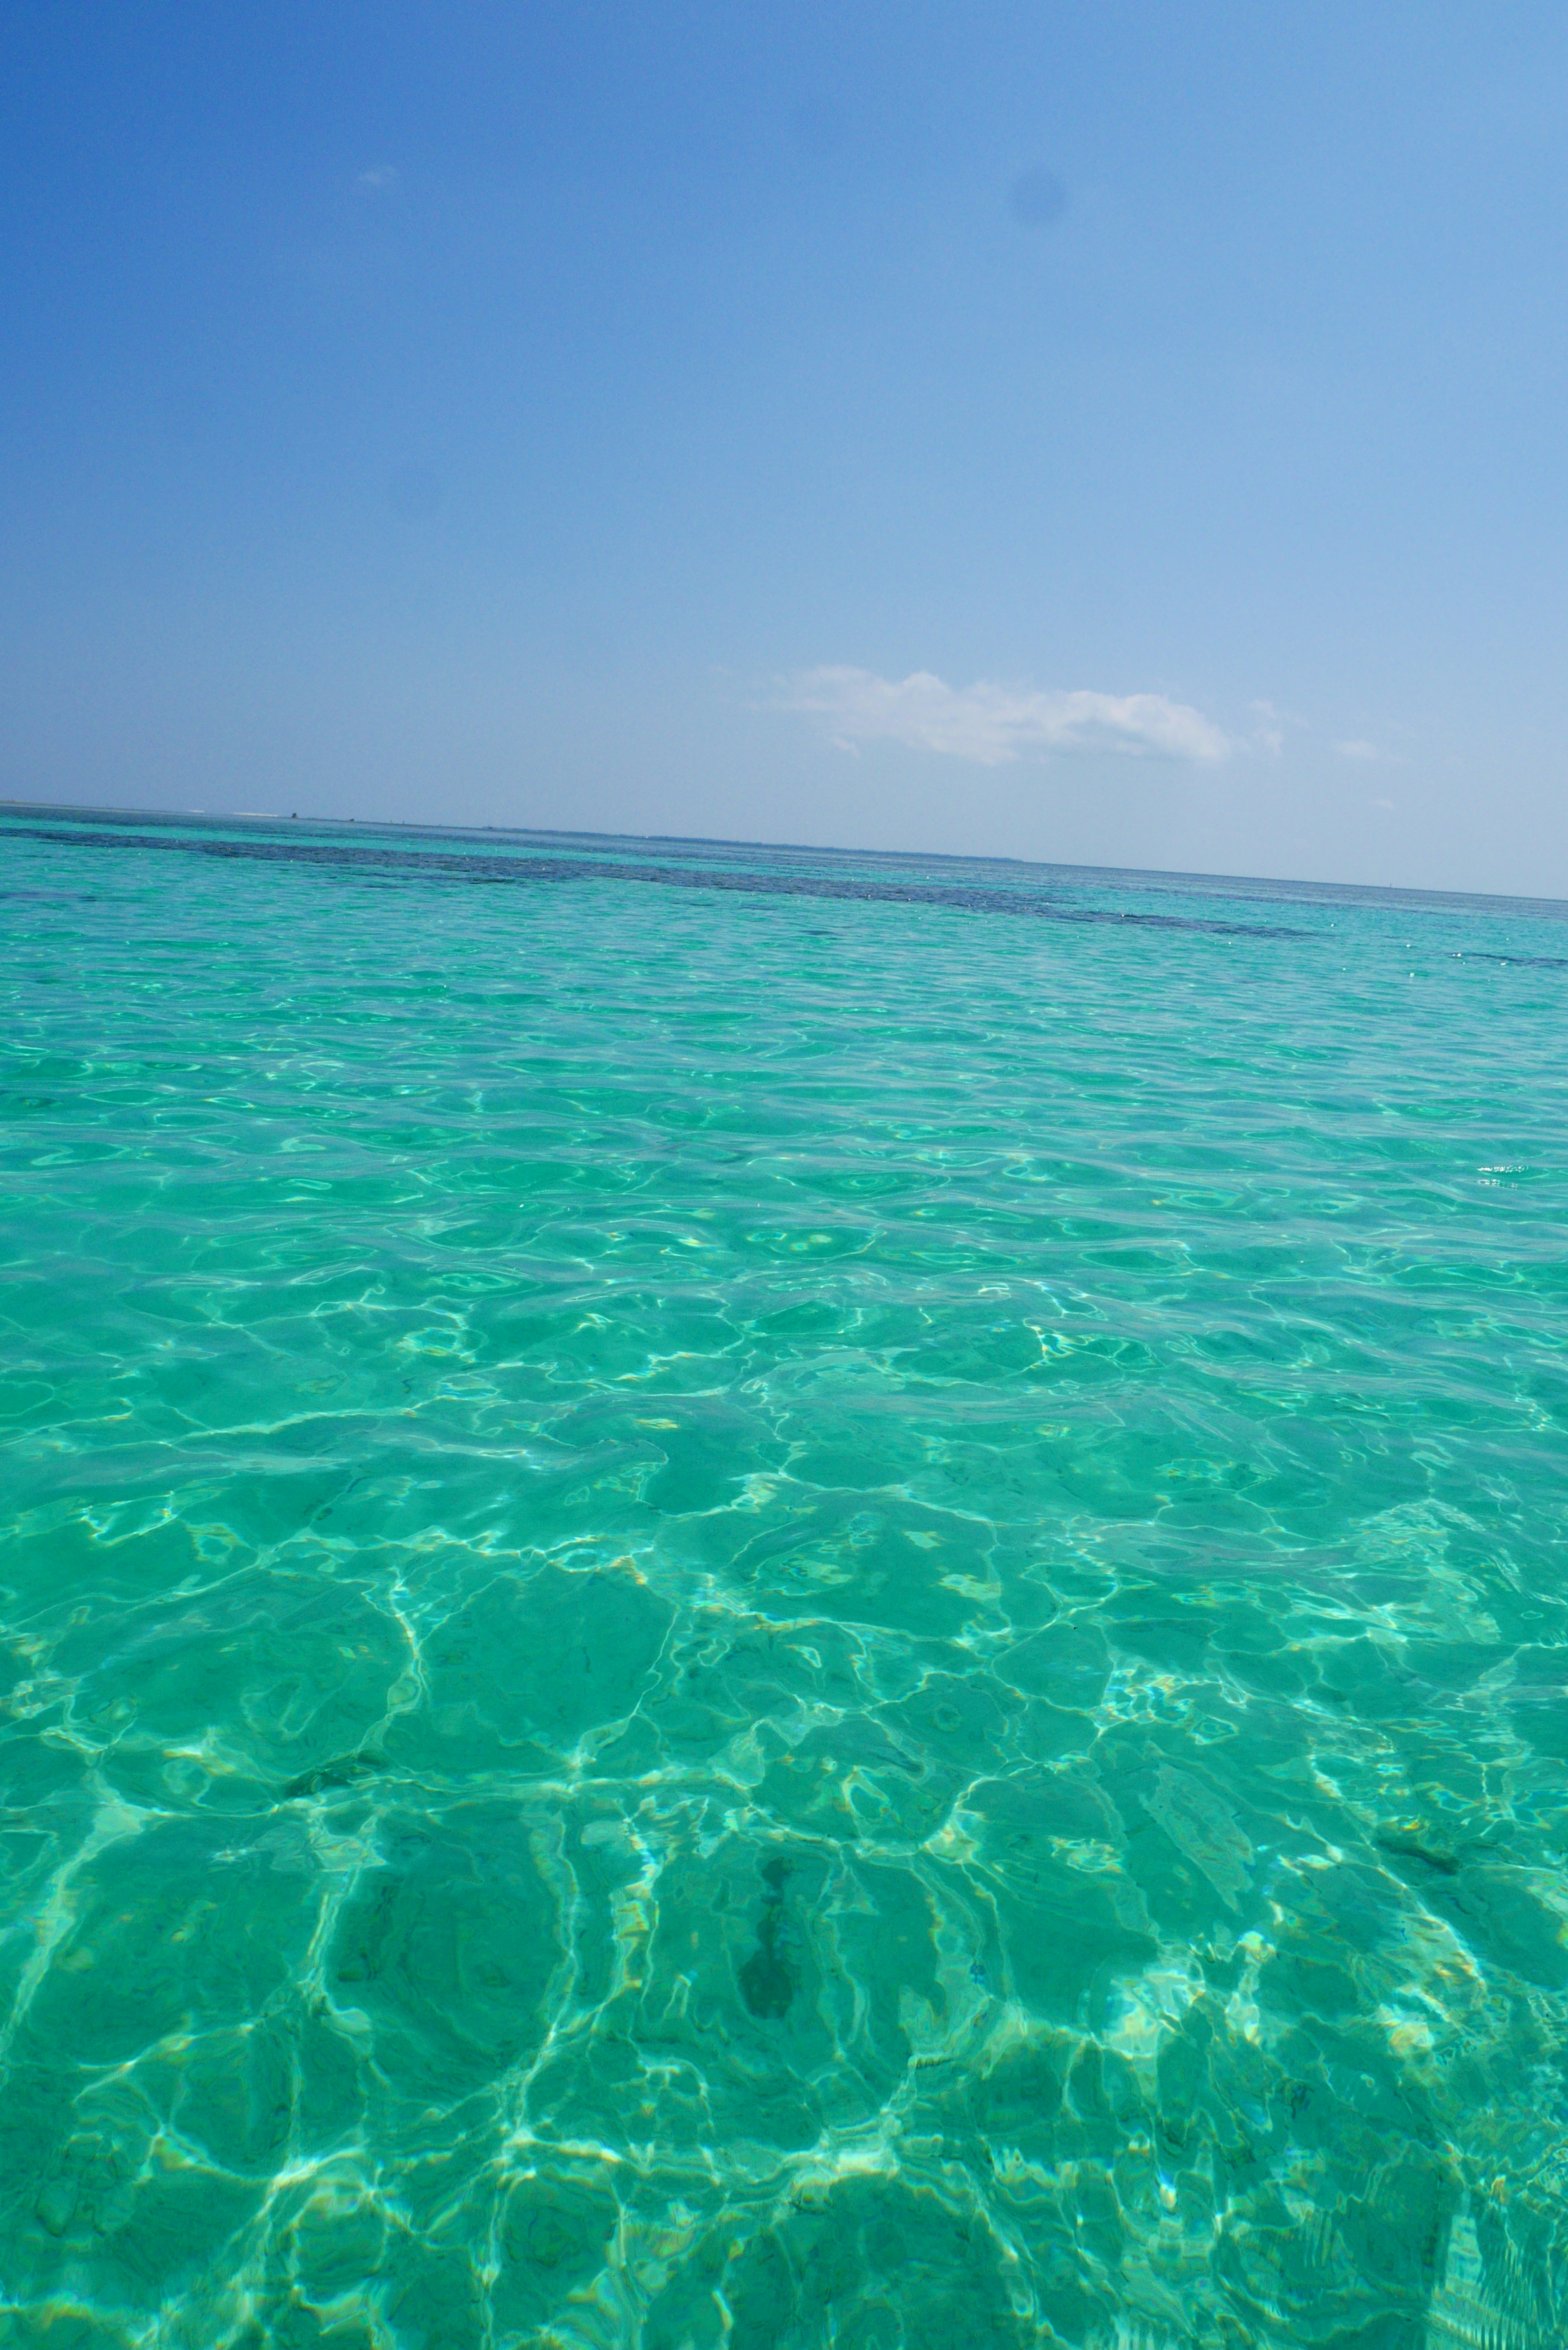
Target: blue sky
[1128,434]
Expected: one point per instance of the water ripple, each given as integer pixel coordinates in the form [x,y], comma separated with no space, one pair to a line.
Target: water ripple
[718,1634]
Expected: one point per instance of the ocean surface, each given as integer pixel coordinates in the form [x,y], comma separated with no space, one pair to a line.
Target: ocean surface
[755,1600]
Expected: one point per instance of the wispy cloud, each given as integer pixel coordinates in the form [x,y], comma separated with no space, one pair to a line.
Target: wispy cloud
[989,724]
[1269,733]
[385,175]
[1369,754]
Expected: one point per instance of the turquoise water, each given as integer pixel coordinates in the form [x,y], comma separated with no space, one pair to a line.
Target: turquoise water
[758,1598]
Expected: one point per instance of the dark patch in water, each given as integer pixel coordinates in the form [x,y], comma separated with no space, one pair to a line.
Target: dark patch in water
[1444,1863]
[342,1773]
[1536,962]
[369,864]
[767,1979]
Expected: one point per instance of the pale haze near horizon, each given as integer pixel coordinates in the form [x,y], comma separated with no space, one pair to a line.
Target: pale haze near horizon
[1130,436]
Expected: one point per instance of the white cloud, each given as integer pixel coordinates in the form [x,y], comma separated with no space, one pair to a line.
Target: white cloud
[1269,733]
[1370,753]
[385,175]
[989,724]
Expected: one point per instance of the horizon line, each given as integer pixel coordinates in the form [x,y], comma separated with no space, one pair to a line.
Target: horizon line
[798,848]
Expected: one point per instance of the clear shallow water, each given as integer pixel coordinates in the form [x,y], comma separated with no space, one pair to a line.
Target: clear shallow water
[764,1598]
